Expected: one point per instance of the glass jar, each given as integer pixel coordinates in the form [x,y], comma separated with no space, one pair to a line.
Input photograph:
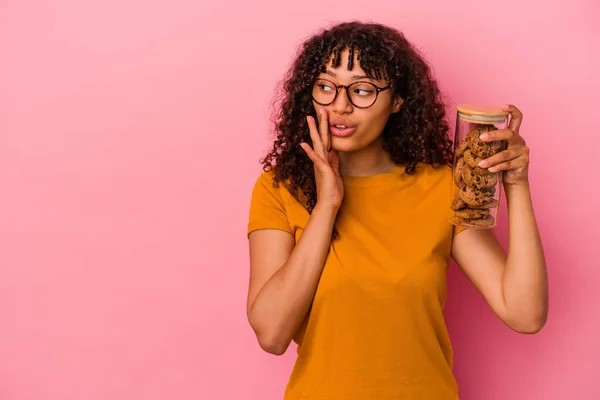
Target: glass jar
[475,190]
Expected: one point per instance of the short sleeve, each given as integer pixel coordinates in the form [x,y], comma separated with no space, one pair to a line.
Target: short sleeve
[267,208]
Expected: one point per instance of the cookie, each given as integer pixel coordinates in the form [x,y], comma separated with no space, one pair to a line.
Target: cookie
[497,146]
[473,197]
[457,204]
[480,148]
[472,213]
[485,222]
[458,172]
[493,203]
[462,146]
[472,161]
[478,181]
[490,190]
[454,220]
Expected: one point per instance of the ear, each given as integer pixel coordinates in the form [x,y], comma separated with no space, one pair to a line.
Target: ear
[397,104]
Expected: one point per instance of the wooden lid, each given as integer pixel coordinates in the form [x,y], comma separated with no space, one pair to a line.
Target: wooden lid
[481,113]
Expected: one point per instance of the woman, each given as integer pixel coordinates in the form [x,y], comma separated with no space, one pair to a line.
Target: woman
[349,238]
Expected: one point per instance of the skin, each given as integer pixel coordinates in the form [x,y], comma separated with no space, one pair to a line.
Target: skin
[361,154]
[515,285]
[284,276]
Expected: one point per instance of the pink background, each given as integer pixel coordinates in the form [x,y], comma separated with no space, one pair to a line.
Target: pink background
[130,133]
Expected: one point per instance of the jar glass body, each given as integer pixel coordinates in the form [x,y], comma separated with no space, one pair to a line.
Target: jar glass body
[476,191]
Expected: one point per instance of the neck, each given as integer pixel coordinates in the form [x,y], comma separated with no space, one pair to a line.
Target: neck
[367,161]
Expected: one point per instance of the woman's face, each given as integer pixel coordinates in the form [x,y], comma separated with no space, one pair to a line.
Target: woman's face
[363,125]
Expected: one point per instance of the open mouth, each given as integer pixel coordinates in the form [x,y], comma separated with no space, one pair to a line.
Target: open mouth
[341,130]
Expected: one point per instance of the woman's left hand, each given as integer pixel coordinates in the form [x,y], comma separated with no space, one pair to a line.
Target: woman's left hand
[514,161]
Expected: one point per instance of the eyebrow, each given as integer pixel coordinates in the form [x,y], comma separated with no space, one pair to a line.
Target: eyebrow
[354,77]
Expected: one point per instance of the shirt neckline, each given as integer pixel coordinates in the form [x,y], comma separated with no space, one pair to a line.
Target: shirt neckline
[375,179]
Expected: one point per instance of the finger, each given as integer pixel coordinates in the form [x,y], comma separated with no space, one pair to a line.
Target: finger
[516,117]
[503,156]
[517,163]
[324,129]
[314,135]
[315,158]
[502,134]
[334,161]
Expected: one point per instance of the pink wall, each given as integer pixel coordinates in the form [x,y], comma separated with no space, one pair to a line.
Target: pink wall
[125,189]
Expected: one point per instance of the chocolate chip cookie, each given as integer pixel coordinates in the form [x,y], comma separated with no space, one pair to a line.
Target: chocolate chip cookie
[458,171]
[462,146]
[493,203]
[478,147]
[472,213]
[457,204]
[472,161]
[474,197]
[477,181]
[485,222]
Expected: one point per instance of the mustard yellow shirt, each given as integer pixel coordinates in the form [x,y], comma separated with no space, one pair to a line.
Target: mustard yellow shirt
[375,330]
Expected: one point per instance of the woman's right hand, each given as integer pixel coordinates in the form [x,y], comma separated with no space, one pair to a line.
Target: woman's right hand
[330,188]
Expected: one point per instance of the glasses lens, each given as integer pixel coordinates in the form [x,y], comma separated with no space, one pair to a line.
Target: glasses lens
[362,94]
[324,91]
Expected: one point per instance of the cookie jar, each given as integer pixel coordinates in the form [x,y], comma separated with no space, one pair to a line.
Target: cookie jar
[476,191]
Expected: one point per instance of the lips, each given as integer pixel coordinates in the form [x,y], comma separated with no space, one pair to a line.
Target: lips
[341,128]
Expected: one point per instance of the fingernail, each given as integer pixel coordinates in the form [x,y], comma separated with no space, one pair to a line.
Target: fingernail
[483,136]
[505,106]
[482,164]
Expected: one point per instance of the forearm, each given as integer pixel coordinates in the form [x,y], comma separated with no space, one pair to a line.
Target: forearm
[284,300]
[525,283]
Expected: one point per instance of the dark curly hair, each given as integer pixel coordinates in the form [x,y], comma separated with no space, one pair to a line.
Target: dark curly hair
[417,133]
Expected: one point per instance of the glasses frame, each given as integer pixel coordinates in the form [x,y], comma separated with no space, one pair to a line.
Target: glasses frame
[337,91]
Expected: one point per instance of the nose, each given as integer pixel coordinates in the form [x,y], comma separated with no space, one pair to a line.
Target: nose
[341,105]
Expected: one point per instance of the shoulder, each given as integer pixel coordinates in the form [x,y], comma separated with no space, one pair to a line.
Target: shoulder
[265,178]
[265,181]
[266,185]
[267,206]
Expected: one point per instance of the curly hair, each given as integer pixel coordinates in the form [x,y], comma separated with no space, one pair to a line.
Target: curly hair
[417,133]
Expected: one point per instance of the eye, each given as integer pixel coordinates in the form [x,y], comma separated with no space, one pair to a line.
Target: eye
[324,87]
[363,92]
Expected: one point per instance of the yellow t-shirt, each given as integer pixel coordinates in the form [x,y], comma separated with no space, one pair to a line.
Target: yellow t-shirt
[375,330]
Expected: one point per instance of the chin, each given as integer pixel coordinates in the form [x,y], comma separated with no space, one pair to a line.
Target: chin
[347,144]
[343,144]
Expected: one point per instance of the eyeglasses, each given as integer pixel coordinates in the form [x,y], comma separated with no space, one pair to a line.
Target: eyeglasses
[360,94]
